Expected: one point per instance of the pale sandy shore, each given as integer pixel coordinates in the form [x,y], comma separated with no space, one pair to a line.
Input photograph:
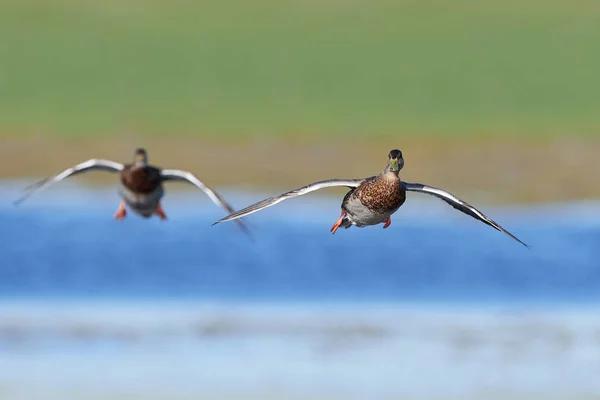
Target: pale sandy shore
[507,170]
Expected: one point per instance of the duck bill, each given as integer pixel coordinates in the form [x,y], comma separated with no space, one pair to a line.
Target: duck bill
[394,166]
[140,160]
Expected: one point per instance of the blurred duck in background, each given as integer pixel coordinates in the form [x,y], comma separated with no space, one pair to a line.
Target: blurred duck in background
[140,185]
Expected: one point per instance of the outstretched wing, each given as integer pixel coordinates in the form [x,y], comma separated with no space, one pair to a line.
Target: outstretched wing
[271,201]
[460,205]
[89,165]
[185,176]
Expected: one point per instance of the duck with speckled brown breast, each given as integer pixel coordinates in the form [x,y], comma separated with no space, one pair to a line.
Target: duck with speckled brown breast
[373,200]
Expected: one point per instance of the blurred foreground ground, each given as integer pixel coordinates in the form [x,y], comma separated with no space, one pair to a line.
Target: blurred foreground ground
[291,351]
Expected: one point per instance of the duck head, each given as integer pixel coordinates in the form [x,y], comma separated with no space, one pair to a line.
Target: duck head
[395,161]
[140,158]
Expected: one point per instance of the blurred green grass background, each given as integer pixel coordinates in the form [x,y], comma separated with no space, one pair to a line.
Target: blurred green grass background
[74,68]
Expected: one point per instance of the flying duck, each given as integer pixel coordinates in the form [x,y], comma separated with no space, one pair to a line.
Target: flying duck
[140,185]
[373,200]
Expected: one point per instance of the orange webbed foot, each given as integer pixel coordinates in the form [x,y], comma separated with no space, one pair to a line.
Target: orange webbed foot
[388,222]
[338,223]
[121,211]
[161,213]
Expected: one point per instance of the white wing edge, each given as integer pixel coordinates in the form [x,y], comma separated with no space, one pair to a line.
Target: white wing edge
[460,205]
[271,201]
[89,165]
[180,175]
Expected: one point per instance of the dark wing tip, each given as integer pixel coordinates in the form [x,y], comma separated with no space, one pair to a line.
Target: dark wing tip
[21,199]
[240,225]
[29,190]
[514,237]
[224,219]
[245,229]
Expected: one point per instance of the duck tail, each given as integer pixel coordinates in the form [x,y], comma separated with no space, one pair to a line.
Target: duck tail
[346,223]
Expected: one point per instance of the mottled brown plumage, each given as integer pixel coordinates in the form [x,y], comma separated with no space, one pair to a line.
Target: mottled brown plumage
[382,194]
[143,179]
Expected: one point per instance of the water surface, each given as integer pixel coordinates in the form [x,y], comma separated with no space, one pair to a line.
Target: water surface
[436,306]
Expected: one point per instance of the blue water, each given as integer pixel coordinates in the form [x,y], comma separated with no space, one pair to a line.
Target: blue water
[67,244]
[436,306]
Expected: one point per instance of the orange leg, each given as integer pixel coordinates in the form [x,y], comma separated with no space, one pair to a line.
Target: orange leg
[388,222]
[338,222]
[160,212]
[121,211]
